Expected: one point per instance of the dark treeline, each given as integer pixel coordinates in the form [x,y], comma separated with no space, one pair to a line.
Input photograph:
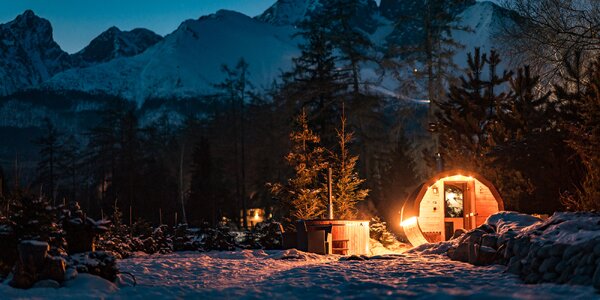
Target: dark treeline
[535,138]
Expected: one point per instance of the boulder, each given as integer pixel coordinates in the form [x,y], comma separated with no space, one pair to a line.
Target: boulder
[32,259]
[55,269]
[489,240]
[596,277]
[549,264]
[458,233]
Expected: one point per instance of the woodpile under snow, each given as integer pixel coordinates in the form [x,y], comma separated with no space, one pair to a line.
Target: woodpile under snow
[565,248]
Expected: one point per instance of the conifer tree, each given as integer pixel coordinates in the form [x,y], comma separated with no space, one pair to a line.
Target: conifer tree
[301,195]
[347,191]
[50,144]
[399,176]
[202,199]
[428,46]
[352,42]
[585,138]
[315,83]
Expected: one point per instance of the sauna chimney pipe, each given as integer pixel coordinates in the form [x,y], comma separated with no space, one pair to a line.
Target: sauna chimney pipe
[329,195]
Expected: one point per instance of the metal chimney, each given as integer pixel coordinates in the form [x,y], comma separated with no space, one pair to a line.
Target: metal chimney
[329,194]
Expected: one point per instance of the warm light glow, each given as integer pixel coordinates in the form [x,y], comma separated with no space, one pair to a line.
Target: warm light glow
[409,222]
[256,216]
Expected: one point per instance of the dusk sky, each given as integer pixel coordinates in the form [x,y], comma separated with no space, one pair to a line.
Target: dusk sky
[77,22]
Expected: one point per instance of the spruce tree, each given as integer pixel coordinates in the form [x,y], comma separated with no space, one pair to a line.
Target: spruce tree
[347,191]
[301,195]
[315,83]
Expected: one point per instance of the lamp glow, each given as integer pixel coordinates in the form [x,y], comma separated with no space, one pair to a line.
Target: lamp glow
[409,222]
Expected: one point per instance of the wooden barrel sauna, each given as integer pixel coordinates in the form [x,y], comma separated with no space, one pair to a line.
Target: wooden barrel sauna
[344,237]
[449,201]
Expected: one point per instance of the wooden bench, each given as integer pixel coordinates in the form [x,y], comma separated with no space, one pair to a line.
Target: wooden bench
[340,247]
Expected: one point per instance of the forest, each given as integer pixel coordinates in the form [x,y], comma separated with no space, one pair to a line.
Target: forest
[531,129]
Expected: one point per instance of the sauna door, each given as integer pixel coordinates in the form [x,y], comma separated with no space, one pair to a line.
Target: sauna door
[455,207]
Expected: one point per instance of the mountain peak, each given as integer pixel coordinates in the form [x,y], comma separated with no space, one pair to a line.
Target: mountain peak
[114,43]
[28,52]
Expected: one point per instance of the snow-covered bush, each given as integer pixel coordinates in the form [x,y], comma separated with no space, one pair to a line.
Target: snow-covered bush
[379,232]
[97,263]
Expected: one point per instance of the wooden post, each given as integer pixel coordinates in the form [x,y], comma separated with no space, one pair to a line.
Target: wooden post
[175,218]
[160,216]
[130,217]
[330,193]
[102,214]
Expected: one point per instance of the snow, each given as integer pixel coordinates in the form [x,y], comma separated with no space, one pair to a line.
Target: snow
[258,274]
[566,228]
[510,220]
[188,61]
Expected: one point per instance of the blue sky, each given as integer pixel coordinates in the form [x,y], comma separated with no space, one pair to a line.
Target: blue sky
[77,22]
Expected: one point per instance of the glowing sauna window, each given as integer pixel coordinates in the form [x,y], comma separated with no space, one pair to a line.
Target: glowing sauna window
[453,199]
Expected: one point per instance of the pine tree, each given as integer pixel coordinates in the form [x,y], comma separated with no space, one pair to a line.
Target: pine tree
[522,129]
[301,195]
[69,163]
[315,83]
[49,143]
[347,192]
[352,42]
[237,89]
[585,138]
[428,45]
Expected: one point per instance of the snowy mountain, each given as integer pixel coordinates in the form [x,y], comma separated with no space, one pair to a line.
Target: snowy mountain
[138,65]
[114,43]
[28,53]
[290,12]
[188,62]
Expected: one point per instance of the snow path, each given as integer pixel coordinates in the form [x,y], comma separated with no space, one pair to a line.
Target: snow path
[264,275]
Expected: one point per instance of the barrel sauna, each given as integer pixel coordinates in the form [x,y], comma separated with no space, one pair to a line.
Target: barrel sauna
[344,237]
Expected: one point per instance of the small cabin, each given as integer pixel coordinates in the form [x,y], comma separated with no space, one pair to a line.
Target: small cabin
[447,202]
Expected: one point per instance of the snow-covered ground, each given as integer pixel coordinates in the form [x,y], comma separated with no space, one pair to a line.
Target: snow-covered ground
[257,274]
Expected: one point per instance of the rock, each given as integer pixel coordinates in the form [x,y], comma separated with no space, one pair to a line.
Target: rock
[32,259]
[98,263]
[597,249]
[549,277]
[560,266]
[47,283]
[461,253]
[544,251]
[596,277]
[549,264]
[55,268]
[571,251]
[458,233]
[33,253]
[354,257]
[581,280]
[486,228]
[485,256]
[532,278]
[558,249]
[490,240]
[514,266]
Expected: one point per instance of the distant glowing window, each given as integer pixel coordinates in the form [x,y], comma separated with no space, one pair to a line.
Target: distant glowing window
[453,200]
